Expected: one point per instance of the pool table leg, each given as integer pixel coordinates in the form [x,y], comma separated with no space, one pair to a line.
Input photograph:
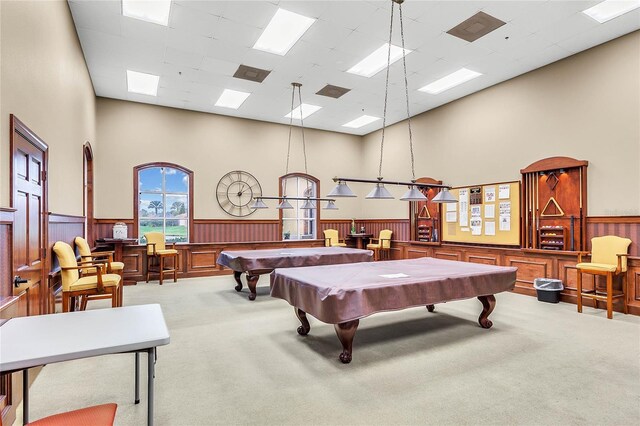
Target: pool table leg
[488,303]
[346,331]
[304,329]
[236,276]
[252,281]
[431,308]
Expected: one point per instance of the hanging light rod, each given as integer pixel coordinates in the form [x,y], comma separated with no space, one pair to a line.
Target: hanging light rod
[284,203]
[389,182]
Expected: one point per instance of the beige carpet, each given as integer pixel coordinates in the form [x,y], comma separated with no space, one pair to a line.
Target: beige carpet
[232,361]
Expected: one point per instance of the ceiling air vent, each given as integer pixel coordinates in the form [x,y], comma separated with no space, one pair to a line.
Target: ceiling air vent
[475,27]
[252,74]
[332,91]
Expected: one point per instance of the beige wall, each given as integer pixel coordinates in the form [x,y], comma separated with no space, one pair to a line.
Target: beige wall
[586,106]
[44,82]
[210,145]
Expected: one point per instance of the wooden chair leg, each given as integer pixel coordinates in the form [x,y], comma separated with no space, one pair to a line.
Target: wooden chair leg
[147,268]
[83,303]
[114,297]
[625,293]
[161,268]
[610,296]
[175,268]
[65,302]
[579,291]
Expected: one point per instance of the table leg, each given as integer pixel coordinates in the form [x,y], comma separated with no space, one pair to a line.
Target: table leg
[252,281]
[151,360]
[431,308]
[137,378]
[346,331]
[488,303]
[236,276]
[25,396]
[304,329]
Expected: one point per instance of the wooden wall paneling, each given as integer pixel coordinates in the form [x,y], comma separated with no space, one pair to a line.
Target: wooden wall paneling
[342,225]
[215,230]
[399,227]
[529,268]
[103,228]
[6,254]
[63,228]
[204,258]
[446,254]
[633,287]
[484,258]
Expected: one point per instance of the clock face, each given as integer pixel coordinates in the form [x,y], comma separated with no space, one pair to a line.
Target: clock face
[235,192]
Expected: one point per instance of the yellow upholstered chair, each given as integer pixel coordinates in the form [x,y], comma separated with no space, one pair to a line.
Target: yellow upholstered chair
[111,268]
[157,252]
[608,258]
[331,238]
[74,285]
[381,245]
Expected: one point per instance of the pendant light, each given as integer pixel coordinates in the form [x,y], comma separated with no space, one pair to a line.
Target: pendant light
[309,202]
[379,191]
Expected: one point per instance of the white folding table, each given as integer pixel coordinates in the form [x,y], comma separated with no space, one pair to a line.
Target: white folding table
[27,342]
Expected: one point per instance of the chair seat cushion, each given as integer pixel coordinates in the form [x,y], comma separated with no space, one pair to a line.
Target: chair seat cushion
[99,415]
[87,283]
[373,246]
[604,267]
[167,251]
[338,245]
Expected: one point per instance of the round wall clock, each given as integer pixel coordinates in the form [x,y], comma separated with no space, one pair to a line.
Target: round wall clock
[235,192]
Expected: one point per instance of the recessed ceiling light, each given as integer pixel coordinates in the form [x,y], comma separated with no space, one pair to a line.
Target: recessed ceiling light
[156,11]
[307,110]
[361,121]
[609,9]
[282,32]
[377,61]
[232,99]
[145,84]
[445,83]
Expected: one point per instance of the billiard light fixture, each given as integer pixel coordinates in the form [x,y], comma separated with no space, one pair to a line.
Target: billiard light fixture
[299,113]
[379,191]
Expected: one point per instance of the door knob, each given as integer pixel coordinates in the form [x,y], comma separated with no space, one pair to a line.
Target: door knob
[17,280]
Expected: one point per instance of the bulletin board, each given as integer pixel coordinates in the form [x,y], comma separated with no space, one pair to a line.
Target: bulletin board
[493,218]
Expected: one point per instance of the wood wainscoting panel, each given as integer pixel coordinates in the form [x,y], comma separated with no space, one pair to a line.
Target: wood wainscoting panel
[103,228]
[6,254]
[633,286]
[529,268]
[234,230]
[439,253]
[485,259]
[203,259]
[343,226]
[399,227]
[622,226]
[416,252]
[63,228]
[132,262]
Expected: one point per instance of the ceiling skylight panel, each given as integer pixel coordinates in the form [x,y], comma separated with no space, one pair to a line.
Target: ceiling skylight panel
[452,80]
[145,84]
[282,32]
[361,121]
[155,11]
[609,9]
[306,109]
[232,99]
[377,61]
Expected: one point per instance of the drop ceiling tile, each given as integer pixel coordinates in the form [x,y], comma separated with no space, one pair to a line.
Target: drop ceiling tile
[194,21]
[528,46]
[350,14]
[210,7]
[95,17]
[218,66]
[311,9]
[187,41]
[252,13]
[97,7]
[603,32]
[132,29]
[508,10]
[227,51]
[444,15]
[567,28]
[179,57]
[546,56]
[326,34]
[237,33]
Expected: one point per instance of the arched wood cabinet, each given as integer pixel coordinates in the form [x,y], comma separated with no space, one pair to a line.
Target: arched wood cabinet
[554,204]
[424,216]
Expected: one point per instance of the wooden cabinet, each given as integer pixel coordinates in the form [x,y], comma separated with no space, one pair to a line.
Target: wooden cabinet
[552,238]
[425,230]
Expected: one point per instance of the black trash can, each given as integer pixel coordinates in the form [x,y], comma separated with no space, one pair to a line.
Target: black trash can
[548,289]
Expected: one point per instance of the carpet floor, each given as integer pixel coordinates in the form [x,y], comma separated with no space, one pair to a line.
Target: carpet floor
[232,361]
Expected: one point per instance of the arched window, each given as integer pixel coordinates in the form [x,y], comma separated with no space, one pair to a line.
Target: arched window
[163,201]
[298,223]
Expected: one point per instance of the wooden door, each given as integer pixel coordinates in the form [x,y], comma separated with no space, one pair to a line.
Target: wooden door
[28,198]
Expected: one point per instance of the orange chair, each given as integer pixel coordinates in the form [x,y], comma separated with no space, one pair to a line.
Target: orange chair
[98,415]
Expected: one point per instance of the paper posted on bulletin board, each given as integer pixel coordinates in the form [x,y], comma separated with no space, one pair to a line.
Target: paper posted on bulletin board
[485,214]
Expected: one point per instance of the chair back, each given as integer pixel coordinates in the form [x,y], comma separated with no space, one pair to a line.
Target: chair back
[604,250]
[154,237]
[385,238]
[331,237]
[66,259]
[83,248]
